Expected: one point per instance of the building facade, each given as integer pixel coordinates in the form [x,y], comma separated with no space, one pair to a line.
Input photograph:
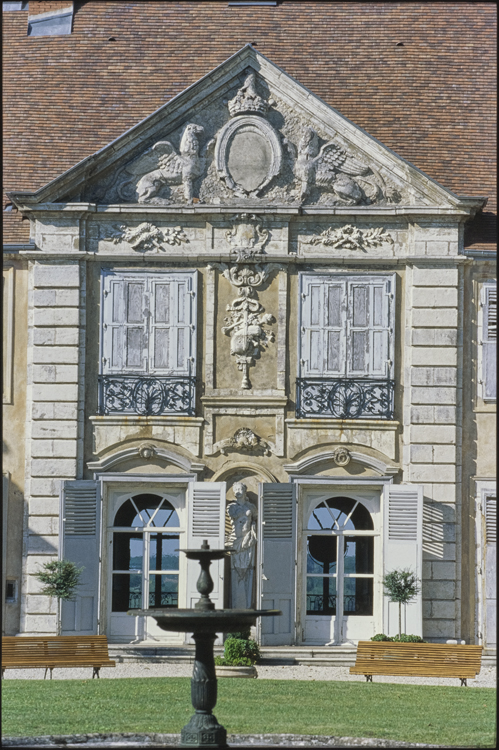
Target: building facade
[246,288]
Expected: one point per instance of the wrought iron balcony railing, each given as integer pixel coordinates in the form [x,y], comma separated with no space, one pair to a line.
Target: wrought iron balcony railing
[146,395]
[345,398]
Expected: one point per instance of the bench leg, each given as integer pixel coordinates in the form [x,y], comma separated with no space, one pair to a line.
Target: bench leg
[463,682]
[95,673]
[369,677]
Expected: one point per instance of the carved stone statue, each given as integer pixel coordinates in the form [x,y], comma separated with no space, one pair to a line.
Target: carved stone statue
[333,170]
[243,515]
[161,166]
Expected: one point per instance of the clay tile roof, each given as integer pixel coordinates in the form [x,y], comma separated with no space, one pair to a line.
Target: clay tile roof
[420,77]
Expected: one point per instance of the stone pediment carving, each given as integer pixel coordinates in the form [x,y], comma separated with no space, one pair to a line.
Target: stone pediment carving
[245,135]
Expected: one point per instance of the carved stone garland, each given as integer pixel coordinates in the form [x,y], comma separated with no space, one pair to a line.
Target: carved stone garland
[349,237]
[147,236]
[247,322]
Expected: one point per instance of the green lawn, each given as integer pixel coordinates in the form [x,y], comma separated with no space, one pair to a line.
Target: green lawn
[440,715]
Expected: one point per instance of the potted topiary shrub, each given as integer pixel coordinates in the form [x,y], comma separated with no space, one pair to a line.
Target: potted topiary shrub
[61,577]
[241,653]
[401,586]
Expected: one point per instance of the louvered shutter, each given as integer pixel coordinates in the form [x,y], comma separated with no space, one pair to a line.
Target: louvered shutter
[346,327]
[276,579]
[368,331]
[172,337]
[206,520]
[489,342]
[402,549]
[490,571]
[80,525]
[124,316]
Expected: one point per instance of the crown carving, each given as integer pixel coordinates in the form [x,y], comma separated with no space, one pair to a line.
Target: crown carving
[248,100]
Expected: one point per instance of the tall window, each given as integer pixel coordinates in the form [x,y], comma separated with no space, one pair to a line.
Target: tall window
[340,559]
[145,554]
[346,346]
[148,343]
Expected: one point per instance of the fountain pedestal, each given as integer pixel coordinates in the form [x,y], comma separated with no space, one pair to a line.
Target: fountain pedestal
[204,622]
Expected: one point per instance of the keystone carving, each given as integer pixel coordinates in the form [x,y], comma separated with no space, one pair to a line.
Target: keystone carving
[147,450]
[244,439]
[333,170]
[147,236]
[161,166]
[341,457]
[349,237]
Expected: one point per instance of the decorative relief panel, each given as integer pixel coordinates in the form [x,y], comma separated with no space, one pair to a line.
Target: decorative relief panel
[252,146]
[247,322]
[243,440]
[146,236]
[349,237]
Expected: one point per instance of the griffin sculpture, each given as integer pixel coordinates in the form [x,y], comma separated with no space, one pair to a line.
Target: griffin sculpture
[161,166]
[330,168]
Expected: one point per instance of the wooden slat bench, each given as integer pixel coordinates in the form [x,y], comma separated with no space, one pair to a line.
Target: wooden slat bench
[30,652]
[417,659]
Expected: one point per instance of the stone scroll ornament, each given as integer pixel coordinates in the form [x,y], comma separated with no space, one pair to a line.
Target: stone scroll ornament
[351,238]
[151,175]
[147,236]
[247,322]
[245,440]
[331,169]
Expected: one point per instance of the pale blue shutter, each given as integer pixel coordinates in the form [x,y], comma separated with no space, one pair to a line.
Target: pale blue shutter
[206,520]
[277,575]
[402,548]
[173,325]
[370,327]
[489,343]
[80,535]
[490,571]
[124,324]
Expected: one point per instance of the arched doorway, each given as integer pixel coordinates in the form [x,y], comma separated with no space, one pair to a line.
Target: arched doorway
[339,552]
[144,563]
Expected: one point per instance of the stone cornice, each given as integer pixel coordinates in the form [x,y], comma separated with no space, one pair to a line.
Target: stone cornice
[463,209]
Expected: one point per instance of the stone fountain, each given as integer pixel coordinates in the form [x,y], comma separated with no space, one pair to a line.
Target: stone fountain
[204,622]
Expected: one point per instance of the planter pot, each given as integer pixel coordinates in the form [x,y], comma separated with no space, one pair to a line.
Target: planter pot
[236,671]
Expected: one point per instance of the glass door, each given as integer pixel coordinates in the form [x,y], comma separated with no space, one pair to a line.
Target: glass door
[145,565]
[339,590]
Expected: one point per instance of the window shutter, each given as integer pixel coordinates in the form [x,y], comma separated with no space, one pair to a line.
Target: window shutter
[173,337]
[490,519]
[276,579]
[490,571]
[369,328]
[347,326]
[402,548]
[124,319]
[206,520]
[489,342]
[80,525]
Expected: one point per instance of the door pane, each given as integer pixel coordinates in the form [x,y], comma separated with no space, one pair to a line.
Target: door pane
[358,596]
[127,592]
[163,552]
[321,554]
[359,554]
[321,596]
[163,591]
[127,551]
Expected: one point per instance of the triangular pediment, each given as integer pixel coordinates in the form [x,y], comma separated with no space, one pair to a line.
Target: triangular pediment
[245,133]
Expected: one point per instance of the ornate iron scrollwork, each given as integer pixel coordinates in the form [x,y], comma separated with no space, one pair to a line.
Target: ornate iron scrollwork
[147,396]
[345,398]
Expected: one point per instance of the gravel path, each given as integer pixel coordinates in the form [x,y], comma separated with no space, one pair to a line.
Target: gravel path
[486,678]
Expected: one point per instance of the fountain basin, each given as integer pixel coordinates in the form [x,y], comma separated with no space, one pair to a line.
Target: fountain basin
[214,620]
